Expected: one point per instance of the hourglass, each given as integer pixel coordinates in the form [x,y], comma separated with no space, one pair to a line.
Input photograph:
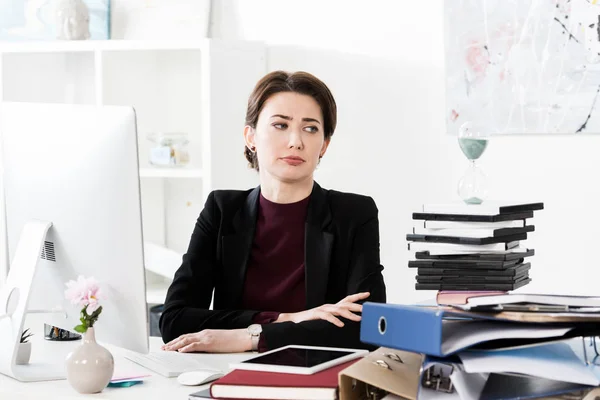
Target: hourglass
[472,187]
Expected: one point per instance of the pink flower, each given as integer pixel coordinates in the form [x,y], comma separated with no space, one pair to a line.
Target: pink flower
[477,58]
[84,292]
[93,305]
[453,115]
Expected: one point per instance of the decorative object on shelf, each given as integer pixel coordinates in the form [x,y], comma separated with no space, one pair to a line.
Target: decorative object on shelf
[55,333]
[90,366]
[161,19]
[526,67]
[24,351]
[169,150]
[22,20]
[472,187]
[72,20]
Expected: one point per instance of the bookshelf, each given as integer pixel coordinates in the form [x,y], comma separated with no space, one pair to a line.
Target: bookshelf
[199,87]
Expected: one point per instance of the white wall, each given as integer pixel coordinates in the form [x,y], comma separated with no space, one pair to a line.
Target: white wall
[383,61]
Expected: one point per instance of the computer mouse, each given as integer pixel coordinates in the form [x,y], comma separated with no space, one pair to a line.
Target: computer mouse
[199,377]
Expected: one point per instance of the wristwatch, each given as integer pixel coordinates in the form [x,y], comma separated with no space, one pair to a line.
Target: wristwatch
[255,330]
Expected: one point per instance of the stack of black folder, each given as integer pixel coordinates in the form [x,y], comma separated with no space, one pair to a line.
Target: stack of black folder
[472,247]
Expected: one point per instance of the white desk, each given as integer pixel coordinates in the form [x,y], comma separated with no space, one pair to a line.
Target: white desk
[154,387]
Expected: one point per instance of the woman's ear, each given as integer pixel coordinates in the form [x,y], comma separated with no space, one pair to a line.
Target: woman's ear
[249,136]
[324,147]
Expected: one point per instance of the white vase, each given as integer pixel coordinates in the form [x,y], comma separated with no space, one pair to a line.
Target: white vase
[90,366]
[72,20]
[23,353]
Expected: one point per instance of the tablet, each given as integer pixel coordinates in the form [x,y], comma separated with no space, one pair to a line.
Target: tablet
[304,360]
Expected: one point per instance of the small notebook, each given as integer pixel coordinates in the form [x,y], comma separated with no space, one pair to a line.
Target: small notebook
[474,232]
[486,208]
[471,225]
[473,218]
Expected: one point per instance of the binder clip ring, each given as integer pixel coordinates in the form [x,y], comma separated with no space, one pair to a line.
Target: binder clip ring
[382,364]
[374,393]
[438,380]
[595,356]
[382,325]
[394,356]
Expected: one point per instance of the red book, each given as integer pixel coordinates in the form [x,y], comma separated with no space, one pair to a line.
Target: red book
[449,297]
[242,384]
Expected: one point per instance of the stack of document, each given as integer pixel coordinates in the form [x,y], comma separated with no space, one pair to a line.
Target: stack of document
[459,246]
[477,352]
[533,303]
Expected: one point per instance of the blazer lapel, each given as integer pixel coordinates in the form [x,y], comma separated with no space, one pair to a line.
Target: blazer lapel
[237,246]
[317,247]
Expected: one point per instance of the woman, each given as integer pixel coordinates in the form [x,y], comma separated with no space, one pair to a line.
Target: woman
[289,261]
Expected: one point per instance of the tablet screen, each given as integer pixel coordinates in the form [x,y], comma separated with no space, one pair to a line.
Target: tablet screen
[299,357]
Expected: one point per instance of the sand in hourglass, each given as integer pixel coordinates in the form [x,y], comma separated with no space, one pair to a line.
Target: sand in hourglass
[472,187]
[472,148]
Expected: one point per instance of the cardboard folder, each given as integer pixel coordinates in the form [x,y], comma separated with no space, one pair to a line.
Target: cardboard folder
[413,376]
[392,371]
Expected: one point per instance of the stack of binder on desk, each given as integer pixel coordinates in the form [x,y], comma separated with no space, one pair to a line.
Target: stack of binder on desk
[477,351]
[472,247]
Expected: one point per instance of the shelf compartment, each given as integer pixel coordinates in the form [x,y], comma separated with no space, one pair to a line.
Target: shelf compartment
[171,173]
[64,78]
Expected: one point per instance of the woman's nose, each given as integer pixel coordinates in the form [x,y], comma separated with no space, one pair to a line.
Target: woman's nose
[295,141]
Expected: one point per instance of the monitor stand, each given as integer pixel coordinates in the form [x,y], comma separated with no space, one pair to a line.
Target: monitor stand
[14,299]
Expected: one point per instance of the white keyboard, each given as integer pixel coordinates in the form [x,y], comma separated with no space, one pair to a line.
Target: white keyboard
[167,363]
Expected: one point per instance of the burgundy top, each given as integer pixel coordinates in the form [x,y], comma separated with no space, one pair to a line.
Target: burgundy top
[275,280]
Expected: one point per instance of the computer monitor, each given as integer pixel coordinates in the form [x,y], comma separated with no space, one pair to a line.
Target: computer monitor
[76,167]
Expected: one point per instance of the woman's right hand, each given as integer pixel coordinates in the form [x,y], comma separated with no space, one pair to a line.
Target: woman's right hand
[329,312]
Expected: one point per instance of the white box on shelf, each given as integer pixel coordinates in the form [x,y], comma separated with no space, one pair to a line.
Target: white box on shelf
[161,260]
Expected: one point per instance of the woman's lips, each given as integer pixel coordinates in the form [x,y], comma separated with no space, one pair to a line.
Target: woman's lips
[293,160]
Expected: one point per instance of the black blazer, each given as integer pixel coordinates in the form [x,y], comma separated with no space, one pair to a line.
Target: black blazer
[341,258]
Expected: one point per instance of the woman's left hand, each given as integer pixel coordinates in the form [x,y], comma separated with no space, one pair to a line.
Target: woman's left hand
[212,341]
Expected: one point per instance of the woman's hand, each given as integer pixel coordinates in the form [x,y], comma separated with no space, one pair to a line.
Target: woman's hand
[330,312]
[212,341]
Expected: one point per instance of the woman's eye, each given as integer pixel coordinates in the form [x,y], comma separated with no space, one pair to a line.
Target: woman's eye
[280,126]
[312,129]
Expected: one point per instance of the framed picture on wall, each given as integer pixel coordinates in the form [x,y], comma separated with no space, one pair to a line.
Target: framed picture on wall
[22,20]
[523,66]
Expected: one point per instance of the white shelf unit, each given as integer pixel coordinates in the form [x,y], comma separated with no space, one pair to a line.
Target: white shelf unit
[171,173]
[200,87]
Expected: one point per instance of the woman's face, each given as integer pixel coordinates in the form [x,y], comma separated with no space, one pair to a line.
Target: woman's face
[289,137]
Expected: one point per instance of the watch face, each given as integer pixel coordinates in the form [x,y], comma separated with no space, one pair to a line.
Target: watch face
[255,329]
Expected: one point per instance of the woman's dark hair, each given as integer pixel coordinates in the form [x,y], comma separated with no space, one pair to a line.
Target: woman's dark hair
[297,82]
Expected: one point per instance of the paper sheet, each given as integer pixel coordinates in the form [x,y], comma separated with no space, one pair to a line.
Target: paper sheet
[462,334]
[468,386]
[429,394]
[555,361]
